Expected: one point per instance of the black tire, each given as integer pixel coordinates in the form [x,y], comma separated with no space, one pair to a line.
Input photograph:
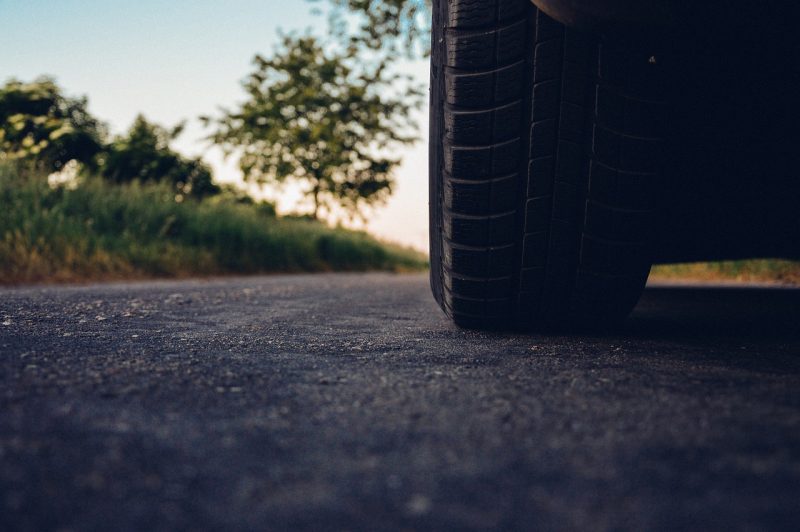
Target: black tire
[545,149]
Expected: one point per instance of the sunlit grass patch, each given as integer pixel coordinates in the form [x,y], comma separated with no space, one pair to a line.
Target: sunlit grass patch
[754,270]
[103,231]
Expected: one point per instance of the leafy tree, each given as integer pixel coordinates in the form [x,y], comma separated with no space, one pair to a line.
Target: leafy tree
[389,25]
[144,154]
[321,118]
[41,126]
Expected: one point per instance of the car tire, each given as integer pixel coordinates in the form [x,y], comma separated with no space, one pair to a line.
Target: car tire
[545,151]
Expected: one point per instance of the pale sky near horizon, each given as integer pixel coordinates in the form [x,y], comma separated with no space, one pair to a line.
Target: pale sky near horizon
[175,61]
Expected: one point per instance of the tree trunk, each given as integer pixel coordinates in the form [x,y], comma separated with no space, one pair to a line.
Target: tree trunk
[316,202]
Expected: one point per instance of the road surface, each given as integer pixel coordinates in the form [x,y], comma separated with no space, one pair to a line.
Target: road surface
[349,402]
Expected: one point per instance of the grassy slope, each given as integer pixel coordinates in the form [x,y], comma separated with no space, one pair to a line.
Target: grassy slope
[99,231]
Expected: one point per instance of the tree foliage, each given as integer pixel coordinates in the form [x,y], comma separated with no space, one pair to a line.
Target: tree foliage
[394,26]
[144,154]
[321,118]
[41,126]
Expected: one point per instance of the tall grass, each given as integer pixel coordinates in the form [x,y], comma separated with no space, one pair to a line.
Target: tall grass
[102,231]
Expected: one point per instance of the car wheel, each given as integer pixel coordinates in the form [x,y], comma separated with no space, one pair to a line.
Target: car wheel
[545,149]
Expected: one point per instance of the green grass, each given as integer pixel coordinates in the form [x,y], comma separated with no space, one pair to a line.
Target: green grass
[760,270]
[102,231]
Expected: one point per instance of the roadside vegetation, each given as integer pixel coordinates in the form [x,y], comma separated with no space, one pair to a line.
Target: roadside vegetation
[81,204]
[755,270]
[103,231]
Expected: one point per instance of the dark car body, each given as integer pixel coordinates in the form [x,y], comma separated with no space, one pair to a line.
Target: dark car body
[731,186]
[610,14]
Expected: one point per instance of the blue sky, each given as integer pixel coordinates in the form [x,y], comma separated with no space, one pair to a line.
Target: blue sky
[175,60]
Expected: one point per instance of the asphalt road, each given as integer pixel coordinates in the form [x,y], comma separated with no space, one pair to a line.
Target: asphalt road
[349,402]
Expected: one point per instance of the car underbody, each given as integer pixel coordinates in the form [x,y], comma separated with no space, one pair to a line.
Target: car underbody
[731,185]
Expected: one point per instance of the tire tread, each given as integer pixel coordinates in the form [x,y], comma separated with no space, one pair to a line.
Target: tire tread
[541,220]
